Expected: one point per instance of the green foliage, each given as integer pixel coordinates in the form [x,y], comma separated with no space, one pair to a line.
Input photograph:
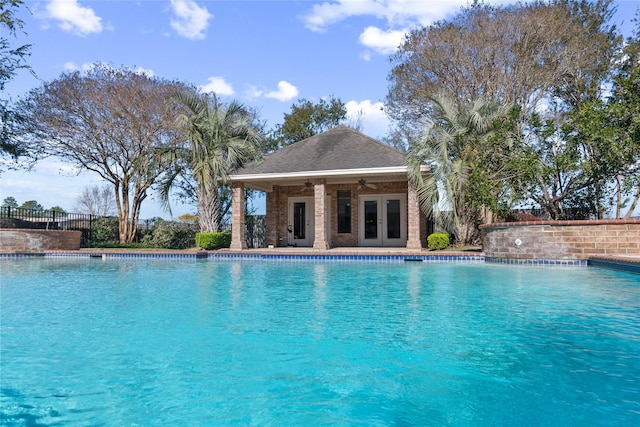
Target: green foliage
[32,204]
[221,138]
[104,231]
[170,235]
[12,59]
[307,119]
[58,211]
[452,149]
[438,241]
[10,202]
[213,240]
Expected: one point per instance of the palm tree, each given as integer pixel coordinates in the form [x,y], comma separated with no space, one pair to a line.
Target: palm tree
[221,138]
[449,149]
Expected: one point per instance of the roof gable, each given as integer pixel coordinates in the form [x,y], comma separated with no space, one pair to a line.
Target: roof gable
[340,148]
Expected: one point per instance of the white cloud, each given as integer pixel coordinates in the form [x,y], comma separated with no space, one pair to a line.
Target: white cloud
[190,19]
[217,85]
[400,16]
[72,66]
[397,13]
[370,115]
[286,91]
[74,18]
[144,72]
[384,42]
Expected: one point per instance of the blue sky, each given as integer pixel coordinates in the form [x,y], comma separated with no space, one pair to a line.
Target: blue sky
[266,54]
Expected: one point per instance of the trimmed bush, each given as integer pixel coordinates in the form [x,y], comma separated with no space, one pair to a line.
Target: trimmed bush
[438,241]
[213,240]
[170,235]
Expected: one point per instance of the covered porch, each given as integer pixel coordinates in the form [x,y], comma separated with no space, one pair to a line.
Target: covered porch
[337,189]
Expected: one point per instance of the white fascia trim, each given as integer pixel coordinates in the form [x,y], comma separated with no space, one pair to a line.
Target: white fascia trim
[319,174]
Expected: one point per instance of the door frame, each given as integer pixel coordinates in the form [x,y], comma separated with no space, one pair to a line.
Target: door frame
[309,229]
[382,216]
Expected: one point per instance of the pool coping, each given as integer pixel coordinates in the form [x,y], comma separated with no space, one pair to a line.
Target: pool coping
[619,262]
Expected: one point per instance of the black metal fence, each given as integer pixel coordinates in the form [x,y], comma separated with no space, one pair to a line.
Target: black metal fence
[256,234]
[47,220]
[11,217]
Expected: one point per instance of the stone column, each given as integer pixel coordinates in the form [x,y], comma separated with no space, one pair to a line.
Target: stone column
[273,213]
[238,229]
[413,218]
[320,220]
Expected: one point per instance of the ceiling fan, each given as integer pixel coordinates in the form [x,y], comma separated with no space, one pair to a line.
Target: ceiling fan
[307,186]
[363,183]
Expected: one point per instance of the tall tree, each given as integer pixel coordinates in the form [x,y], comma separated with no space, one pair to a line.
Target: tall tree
[10,202]
[96,200]
[12,59]
[547,58]
[443,163]
[114,122]
[307,119]
[221,138]
[612,126]
[517,54]
[32,205]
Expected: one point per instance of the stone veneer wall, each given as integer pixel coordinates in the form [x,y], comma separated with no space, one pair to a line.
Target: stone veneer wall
[561,240]
[23,240]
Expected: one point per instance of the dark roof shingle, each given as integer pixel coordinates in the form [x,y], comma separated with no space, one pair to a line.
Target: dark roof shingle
[340,148]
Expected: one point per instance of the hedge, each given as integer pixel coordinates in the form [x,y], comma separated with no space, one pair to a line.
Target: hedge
[213,240]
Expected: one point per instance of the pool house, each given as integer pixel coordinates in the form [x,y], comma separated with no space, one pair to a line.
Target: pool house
[339,188]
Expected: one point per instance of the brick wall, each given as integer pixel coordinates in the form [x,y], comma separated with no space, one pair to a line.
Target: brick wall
[277,210]
[561,239]
[21,240]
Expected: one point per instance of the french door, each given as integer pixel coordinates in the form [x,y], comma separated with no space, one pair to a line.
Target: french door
[301,221]
[382,220]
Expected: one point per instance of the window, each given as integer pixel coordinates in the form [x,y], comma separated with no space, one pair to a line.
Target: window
[344,211]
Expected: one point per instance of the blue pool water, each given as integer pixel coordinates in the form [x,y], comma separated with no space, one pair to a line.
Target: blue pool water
[202,343]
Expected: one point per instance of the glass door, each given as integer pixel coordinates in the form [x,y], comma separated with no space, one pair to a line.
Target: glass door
[301,225]
[372,221]
[382,220]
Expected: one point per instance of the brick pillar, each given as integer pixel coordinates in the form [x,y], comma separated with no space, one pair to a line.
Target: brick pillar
[320,220]
[413,218]
[238,241]
[273,212]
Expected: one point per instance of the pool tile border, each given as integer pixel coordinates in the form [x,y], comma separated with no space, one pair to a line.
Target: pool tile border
[253,256]
[563,262]
[628,264]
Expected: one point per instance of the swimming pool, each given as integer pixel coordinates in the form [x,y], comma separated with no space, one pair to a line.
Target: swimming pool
[198,343]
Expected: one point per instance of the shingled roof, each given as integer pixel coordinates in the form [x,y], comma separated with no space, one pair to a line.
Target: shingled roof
[340,148]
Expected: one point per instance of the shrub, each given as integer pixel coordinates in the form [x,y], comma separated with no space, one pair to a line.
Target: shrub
[213,240]
[104,231]
[170,235]
[438,241]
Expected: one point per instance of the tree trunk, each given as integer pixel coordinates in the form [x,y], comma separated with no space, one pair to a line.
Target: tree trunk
[208,208]
[633,204]
[619,195]
[127,227]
